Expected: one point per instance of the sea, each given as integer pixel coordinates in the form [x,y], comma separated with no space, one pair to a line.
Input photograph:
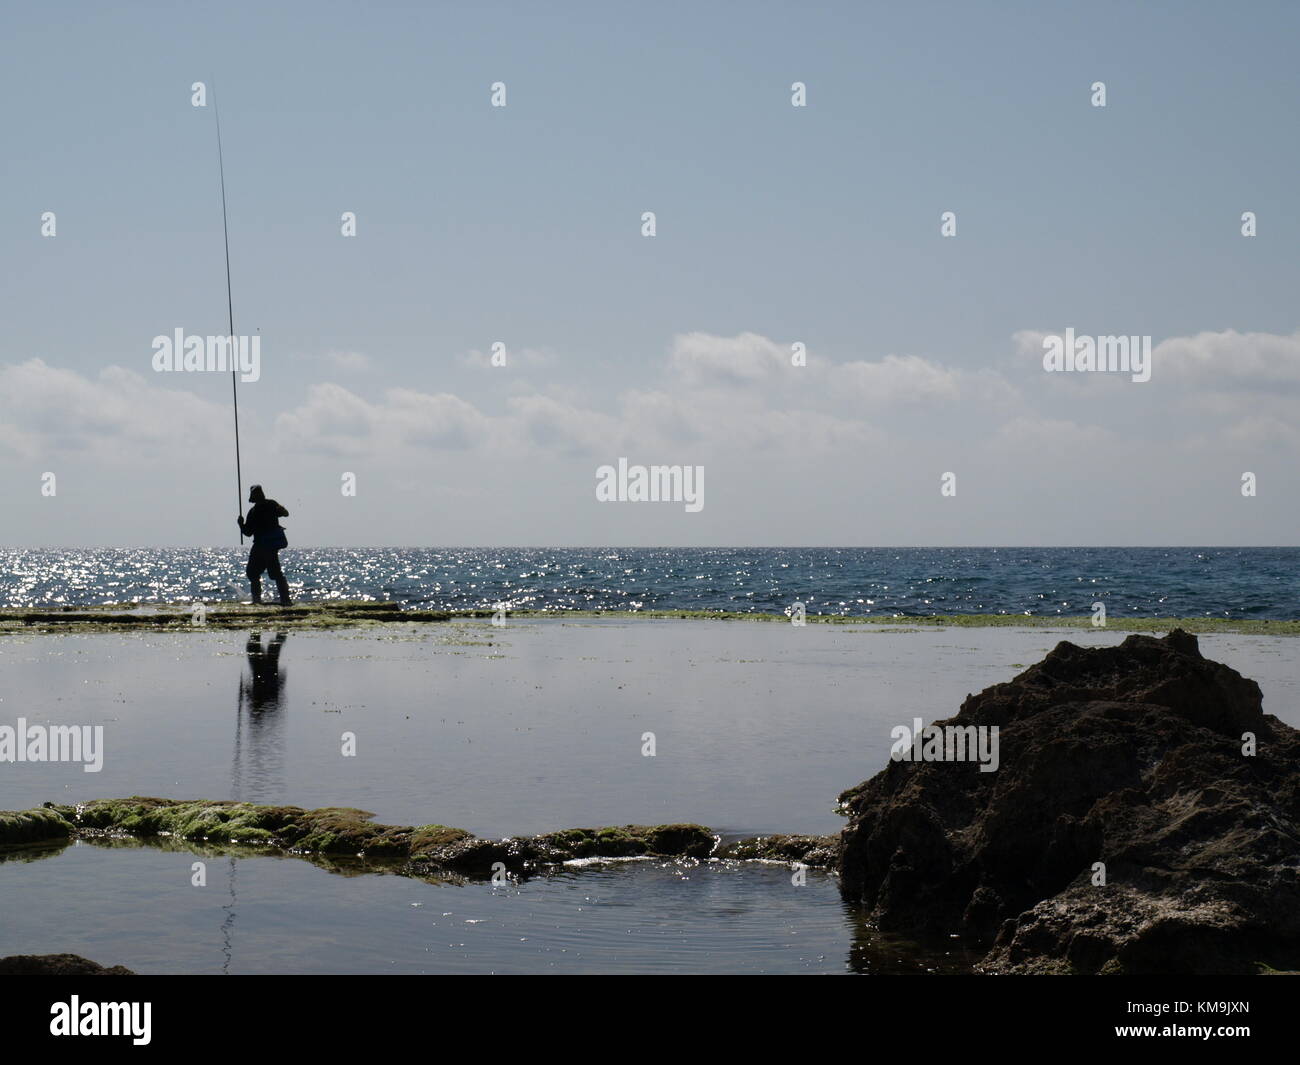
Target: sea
[1219,582]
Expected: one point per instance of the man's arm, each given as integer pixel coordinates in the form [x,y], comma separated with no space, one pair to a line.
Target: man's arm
[280,511]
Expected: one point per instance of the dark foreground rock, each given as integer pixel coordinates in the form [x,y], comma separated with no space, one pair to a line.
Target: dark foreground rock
[1129,756]
[57,965]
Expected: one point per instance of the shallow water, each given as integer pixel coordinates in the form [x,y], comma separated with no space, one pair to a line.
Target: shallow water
[503,731]
[529,728]
[137,907]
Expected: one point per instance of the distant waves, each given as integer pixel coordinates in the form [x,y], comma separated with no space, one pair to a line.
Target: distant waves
[1134,582]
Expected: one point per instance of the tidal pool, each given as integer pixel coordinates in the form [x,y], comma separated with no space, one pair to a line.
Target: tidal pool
[533,727]
[126,903]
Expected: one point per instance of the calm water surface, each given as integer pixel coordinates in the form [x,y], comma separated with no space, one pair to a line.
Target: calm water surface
[136,906]
[531,728]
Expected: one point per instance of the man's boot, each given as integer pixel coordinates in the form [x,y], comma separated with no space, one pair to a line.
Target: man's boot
[283,585]
[257,591]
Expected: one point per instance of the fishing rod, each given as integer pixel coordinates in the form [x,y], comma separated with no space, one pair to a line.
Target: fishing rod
[230,306]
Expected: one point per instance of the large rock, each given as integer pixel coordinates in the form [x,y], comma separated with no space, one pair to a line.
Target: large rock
[57,965]
[1130,756]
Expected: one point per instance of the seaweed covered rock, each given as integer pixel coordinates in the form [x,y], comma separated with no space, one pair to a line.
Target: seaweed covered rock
[423,850]
[1144,818]
[20,828]
[330,830]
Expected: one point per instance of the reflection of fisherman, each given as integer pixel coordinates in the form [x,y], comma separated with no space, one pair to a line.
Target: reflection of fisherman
[260,758]
[263,525]
[263,690]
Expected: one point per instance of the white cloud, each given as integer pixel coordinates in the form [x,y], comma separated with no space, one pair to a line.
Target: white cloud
[1031,435]
[1227,360]
[47,410]
[712,396]
[339,422]
[749,363]
[705,360]
[1263,433]
[896,380]
[553,425]
[1221,361]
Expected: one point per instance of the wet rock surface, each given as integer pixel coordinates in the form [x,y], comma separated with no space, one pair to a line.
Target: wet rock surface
[813,851]
[1130,756]
[182,617]
[473,856]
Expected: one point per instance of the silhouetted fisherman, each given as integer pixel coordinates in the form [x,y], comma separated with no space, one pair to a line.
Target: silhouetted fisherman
[263,525]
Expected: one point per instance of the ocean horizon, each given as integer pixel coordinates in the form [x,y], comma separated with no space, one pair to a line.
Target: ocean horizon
[1218,582]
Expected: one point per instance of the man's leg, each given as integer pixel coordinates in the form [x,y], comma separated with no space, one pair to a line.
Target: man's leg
[254,572]
[276,574]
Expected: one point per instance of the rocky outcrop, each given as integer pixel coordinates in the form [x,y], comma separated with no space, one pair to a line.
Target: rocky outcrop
[57,965]
[424,850]
[337,837]
[473,856]
[429,851]
[1144,818]
[813,851]
[330,830]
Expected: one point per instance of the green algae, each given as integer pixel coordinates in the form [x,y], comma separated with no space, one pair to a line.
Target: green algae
[426,838]
[21,828]
[332,830]
[431,850]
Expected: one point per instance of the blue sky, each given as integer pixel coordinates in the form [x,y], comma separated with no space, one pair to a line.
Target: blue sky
[775,225]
